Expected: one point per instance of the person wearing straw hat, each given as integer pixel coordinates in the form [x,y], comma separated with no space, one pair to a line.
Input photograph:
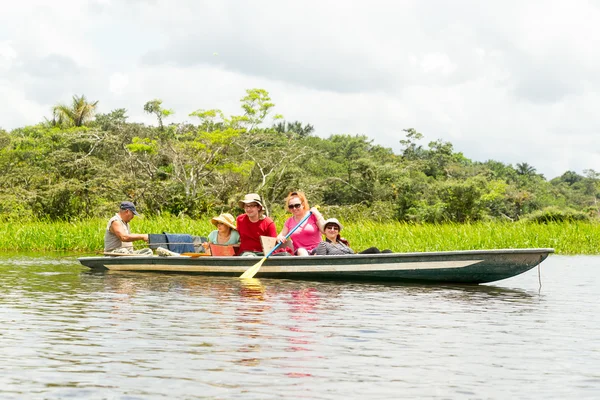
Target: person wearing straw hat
[226,232]
[117,237]
[253,224]
[335,245]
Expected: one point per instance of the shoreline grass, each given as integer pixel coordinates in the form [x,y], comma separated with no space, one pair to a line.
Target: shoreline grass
[87,236]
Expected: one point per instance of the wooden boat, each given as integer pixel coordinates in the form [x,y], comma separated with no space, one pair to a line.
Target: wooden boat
[468,267]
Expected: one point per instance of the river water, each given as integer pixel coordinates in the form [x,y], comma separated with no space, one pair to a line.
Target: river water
[68,333]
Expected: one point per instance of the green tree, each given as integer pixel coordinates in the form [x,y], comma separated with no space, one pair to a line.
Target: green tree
[351,165]
[4,139]
[525,169]
[210,120]
[64,171]
[77,114]
[113,120]
[257,105]
[411,150]
[154,107]
[294,128]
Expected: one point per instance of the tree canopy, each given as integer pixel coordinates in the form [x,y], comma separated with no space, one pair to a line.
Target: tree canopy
[79,112]
[76,166]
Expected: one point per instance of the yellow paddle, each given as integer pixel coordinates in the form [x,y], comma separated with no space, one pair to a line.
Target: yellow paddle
[250,272]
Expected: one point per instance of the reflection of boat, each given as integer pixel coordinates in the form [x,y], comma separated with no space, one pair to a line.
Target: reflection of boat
[470,266]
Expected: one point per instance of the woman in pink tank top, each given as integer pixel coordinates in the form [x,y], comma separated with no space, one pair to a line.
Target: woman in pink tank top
[308,236]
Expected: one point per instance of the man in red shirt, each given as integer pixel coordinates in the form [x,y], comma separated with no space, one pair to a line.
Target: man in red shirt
[253,224]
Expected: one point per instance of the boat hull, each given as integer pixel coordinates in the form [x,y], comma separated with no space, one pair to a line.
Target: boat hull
[468,267]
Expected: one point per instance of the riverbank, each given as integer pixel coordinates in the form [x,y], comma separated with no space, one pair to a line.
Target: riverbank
[87,236]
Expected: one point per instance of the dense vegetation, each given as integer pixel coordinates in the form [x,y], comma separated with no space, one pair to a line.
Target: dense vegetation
[86,236]
[79,165]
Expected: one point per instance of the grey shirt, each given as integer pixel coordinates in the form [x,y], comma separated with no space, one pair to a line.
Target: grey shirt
[333,249]
[111,241]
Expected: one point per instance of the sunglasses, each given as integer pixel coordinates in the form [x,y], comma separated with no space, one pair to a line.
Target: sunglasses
[292,206]
[334,227]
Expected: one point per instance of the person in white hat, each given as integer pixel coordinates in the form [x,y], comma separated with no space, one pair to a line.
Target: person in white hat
[335,245]
[253,224]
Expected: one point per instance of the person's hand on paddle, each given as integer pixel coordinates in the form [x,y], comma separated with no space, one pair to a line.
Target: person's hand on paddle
[250,272]
[316,213]
[281,238]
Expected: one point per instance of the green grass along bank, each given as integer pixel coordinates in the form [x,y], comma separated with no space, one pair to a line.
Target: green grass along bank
[87,236]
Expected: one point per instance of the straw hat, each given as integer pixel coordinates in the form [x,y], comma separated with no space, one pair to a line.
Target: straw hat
[250,198]
[226,219]
[333,221]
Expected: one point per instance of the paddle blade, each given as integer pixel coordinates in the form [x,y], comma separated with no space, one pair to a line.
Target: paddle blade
[250,272]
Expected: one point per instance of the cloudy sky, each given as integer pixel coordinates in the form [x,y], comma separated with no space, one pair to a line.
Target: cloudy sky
[513,81]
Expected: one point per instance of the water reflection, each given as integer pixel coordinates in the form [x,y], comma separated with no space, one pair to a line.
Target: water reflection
[163,336]
[34,277]
[303,338]
[261,288]
[252,288]
[252,323]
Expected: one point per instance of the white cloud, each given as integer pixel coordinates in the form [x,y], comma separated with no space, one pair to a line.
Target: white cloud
[118,82]
[511,81]
[7,55]
[437,63]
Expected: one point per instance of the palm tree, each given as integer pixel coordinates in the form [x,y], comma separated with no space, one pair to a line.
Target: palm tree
[294,127]
[525,169]
[80,112]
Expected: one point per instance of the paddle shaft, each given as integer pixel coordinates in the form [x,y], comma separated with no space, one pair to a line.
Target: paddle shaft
[250,272]
[289,233]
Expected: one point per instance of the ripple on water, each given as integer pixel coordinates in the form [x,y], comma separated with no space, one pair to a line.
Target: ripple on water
[70,333]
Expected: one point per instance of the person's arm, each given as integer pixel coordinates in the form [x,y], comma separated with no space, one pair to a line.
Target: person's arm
[320,219]
[282,234]
[321,249]
[271,230]
[346,248]
[235,237]
[121,233]
[211,239]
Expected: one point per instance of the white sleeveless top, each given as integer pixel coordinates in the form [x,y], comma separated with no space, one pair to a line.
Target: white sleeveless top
[111,241]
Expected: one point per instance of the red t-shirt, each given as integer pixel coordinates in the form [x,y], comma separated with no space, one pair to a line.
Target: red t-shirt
[250,232]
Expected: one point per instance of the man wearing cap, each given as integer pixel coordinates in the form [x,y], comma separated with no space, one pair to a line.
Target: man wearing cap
[118,238]
[253,224]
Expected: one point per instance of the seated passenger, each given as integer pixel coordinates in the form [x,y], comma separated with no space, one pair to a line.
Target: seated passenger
[308,236]
[117,236]
[225,233]
[252,225]
[335,245]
